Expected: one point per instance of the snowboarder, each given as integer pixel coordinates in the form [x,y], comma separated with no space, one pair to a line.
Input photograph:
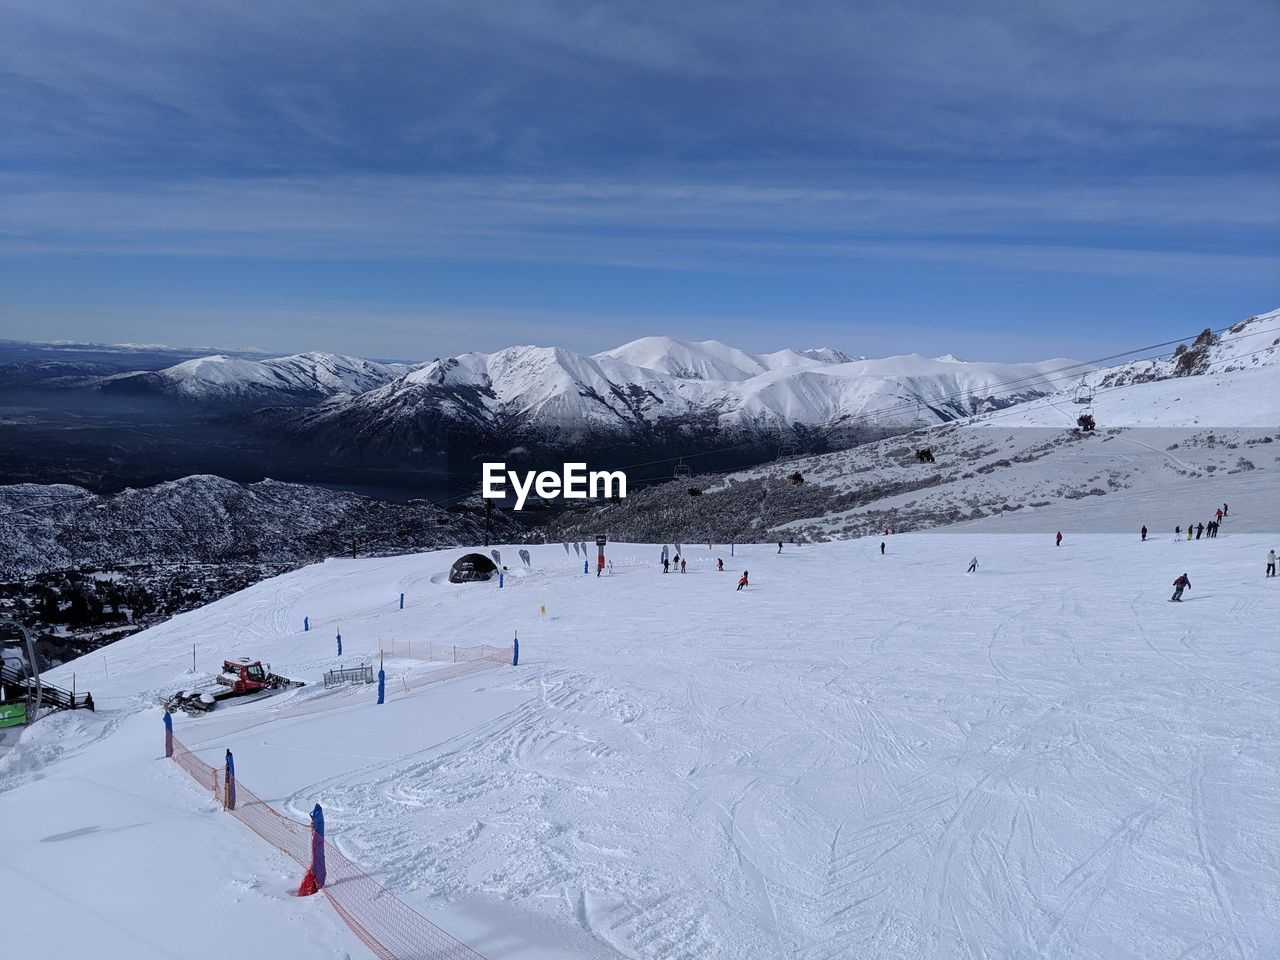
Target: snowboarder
[1190,531]
[1271,563]
[682,566]
[720,564]
[743,582]
[1182,583]
[973,565]
[882,548]
[1144,533]
[1058,540]
[1199,530]
[779,546]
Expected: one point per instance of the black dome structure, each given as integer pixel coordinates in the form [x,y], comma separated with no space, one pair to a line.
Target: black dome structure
[472,567]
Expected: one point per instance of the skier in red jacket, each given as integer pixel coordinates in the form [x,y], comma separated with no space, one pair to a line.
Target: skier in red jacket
[743,582]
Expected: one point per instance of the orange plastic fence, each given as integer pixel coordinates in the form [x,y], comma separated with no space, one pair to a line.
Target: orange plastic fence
[387,925]
[448,652]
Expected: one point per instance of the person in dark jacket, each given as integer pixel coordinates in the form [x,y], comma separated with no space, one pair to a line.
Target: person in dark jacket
[1182,583]
[1199,530]
[1144,533]
[1058,540]
[720,564]
[666,565]
[882,548]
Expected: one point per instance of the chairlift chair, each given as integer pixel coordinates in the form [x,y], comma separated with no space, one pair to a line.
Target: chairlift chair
[1083,393]
[682,470]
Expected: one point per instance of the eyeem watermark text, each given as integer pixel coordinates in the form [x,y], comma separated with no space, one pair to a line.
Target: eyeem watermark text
[573,483]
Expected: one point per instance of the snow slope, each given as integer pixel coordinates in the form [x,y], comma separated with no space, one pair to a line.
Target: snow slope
[860,755]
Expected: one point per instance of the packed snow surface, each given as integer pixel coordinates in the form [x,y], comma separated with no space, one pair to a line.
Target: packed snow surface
[860,755]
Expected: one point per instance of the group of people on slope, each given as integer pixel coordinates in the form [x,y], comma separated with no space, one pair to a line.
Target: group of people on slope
[1198,530]
[680,563]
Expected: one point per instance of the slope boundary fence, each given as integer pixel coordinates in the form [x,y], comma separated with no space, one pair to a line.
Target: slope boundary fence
[445,652]
[387,925]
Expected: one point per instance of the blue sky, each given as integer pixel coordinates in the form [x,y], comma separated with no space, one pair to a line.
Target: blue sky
[1004,180]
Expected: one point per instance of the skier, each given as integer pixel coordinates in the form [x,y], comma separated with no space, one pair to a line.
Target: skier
[1218,517]
[882,548]
[1190,531]
[666,565]
[720,564]
[1224,509]
[682,566]
[1199,530]
[1144,533]
[779,546]
[1271,563]
[1058,541]
[743,582]
[1177,533]
[973,565]
[1182,583]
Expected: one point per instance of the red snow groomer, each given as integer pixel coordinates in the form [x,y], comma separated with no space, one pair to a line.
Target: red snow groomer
[243,675]
[239,677]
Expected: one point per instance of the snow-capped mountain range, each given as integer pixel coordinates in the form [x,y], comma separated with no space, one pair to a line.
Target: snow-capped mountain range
[642,383]
[302,377]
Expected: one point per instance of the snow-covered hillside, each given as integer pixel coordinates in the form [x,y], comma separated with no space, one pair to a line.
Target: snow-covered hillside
[860,755]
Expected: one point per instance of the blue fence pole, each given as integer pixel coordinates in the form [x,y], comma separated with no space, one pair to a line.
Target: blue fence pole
[585,568]
[402,601]
[231,781]
[515,651]
[382,685]
[306,624]
[501,578]
[317,845]
[168,734]
[339,644]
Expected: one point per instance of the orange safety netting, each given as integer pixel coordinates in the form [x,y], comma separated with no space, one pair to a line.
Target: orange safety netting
[447,652]
[386,924]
